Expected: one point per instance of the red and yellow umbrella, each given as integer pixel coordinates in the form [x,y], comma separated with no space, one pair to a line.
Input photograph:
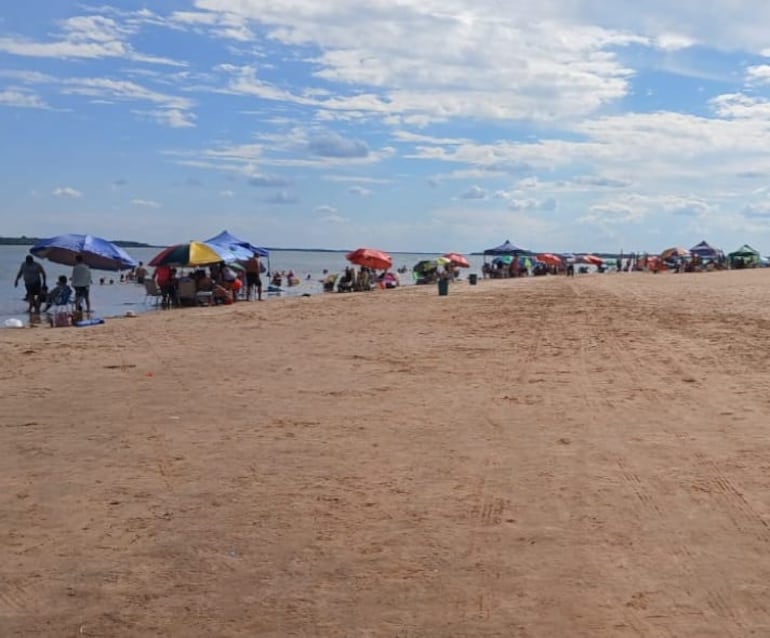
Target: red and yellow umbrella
[457,259]
[193,253]
[371,258]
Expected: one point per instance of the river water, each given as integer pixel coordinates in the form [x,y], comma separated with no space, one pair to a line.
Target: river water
[113,298]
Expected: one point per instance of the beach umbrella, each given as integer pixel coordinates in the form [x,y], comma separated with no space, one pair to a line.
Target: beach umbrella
[592,259]
[192,253]
[458,260]
[371,258]
[97,253]
[425,266]
[549,259]
[676,251]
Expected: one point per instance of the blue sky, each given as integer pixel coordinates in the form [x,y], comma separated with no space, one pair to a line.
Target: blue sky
[415,125]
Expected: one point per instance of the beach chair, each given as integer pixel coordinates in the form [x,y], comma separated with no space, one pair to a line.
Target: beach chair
[186,292]
[152,292]
[60,310]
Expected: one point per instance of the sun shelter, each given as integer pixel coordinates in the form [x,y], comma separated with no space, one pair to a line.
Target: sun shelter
[506,248]
[744,257]
[96,252]
[233,243]
[705,250]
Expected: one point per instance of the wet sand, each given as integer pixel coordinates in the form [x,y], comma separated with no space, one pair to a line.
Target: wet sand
[536,458]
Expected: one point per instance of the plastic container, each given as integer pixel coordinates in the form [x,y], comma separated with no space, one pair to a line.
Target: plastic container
[443,287]
[473,279]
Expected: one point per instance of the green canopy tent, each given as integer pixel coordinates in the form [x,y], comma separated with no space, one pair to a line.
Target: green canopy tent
[744,257]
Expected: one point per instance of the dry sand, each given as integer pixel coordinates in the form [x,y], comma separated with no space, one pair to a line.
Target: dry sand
[533,458]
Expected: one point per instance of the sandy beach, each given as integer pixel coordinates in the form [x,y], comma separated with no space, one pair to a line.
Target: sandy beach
[540,457]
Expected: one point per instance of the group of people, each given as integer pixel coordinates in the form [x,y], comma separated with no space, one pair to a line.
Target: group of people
[35,281]
[364,279]
[220,283]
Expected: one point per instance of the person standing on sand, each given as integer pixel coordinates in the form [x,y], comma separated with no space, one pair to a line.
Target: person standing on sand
[81,282]
[253,278]
[34,281]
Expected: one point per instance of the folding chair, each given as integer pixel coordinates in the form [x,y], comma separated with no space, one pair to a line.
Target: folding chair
[59,311]
[152,292]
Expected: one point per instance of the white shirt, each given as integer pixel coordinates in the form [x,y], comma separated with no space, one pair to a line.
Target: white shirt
[81,275]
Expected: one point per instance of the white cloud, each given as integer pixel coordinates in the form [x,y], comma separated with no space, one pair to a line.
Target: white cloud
[281,197]
[145,203]
[329,215]
[261,180]
[474,192]
[173,118]
[359,190]
[334,219]
[123,90]
[85,37]
[221,24]
[67,192]
[674,41]
[227,193]
[21,98]
[502,64]
[758,75]
[357,179]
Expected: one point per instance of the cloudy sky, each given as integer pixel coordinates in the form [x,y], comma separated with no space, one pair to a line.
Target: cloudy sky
[402,124]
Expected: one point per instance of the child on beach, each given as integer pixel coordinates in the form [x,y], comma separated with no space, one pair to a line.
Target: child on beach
[60,295]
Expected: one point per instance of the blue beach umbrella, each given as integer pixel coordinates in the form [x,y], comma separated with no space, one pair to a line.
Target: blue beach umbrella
[97,253]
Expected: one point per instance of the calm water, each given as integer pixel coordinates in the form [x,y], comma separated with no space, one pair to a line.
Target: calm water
[110,300]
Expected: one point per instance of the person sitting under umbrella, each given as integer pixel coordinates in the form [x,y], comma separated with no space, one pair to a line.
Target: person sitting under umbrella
[59,295]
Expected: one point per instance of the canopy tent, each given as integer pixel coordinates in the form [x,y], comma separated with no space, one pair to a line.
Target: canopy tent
[506,248]
[233,244]
[745,255]
[704,249]
[745,251]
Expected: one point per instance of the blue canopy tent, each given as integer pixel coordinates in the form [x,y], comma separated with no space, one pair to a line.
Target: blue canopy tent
[706,251]
[242,249]
[506,248]
[233,243]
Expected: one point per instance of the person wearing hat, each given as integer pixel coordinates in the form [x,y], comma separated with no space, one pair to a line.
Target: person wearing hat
[34,281]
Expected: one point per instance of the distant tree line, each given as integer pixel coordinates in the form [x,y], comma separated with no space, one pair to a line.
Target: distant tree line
[30,241]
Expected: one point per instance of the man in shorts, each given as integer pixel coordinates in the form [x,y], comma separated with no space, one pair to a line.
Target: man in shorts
[81,282]
[253,279]
[34,281]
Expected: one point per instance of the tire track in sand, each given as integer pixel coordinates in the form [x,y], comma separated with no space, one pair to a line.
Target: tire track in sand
[718,599]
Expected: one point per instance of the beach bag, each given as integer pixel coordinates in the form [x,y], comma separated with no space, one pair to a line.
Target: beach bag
[61,318]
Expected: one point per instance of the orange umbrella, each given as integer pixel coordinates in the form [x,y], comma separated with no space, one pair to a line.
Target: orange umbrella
[371,258]
[549,259]
[592,259]
[458,260]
